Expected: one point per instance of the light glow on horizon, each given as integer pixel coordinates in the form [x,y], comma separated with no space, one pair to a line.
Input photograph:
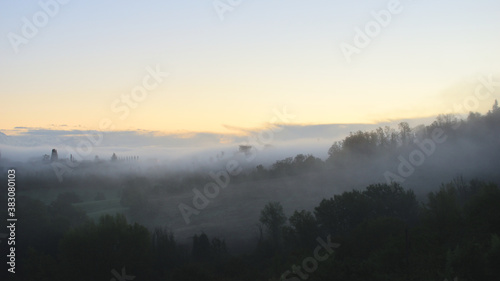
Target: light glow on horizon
[233,73]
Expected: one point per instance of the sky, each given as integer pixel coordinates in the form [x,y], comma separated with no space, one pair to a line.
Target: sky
[175,67]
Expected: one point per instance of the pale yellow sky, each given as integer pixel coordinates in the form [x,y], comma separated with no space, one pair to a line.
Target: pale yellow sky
[237,71]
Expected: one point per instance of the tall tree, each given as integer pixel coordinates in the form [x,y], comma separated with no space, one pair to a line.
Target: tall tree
[273,218]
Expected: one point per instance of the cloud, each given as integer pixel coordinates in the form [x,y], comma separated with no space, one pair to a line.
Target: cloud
[315,139]
[242,131]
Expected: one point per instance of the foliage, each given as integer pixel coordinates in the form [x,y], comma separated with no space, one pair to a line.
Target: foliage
[91,251]
[273,218]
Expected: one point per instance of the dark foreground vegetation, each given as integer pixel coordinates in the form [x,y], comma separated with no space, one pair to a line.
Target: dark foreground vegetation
[380,232]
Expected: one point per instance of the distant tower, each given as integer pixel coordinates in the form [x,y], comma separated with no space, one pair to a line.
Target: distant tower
[54,156]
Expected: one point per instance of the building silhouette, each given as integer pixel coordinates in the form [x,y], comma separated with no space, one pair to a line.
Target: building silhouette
[54,156]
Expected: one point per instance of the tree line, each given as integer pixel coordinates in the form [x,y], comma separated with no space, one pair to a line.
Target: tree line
[383,233]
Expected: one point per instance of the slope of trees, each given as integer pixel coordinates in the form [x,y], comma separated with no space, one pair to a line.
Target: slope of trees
[364,149]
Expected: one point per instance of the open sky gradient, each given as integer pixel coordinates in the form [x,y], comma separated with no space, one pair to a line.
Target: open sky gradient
[234,73]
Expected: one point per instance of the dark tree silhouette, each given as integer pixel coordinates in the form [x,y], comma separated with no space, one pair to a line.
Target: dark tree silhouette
[273,218]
